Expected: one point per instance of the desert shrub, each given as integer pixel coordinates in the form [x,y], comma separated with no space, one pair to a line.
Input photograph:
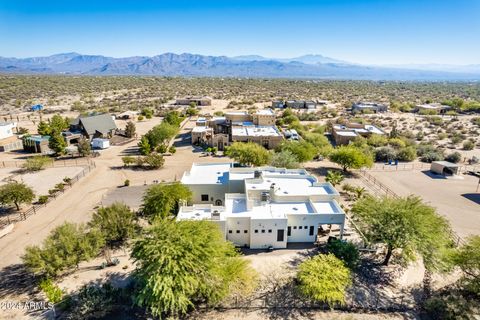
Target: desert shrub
[454,157]
[52,291]
[468,145]
[43,199]
[37,163]
[385,154]
[407,154]
[345,251]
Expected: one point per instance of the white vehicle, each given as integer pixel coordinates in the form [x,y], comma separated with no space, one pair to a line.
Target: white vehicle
[99,143]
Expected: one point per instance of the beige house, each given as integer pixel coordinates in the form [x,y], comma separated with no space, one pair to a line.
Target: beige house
[344,133]
[238,126]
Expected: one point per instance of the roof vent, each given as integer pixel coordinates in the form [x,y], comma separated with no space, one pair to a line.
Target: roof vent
[257,174]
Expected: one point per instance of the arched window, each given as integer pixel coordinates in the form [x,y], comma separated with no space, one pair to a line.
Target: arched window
[218,202]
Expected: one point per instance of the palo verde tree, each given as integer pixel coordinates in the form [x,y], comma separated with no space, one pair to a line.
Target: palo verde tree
[16,193]
[65,247]
[405,225]
[350,157]
[248,153]
[84,148]
[181,263]
[303,150]
[324,278]
[164,200]
[467,258]
[284,159]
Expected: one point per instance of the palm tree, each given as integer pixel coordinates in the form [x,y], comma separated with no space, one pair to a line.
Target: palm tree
[334,177]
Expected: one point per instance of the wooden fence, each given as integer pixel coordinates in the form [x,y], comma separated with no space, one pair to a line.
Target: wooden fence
[53,164]
[24,214]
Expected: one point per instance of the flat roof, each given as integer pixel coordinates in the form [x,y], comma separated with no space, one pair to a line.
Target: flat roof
[200,129]
[206,173]
[255,131]
[266,112]
[346,133]
[446,164]
[236,113]
[293,185]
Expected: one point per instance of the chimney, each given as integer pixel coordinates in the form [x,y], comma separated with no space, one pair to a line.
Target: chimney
[215,215]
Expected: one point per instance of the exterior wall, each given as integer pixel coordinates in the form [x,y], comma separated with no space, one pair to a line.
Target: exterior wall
[220,141]
[295,221]
[262,240]
[295,104]
[237,117]
[15,145]
[339,139]
[238,231]
[6,131]
[198,102]
[264,119]
[277,104]
[270,142]
[222,225]
[214,192]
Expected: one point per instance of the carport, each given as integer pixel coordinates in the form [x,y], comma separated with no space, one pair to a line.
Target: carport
[444,168]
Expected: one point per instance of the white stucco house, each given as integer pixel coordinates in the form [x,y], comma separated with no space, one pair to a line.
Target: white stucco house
[261,207]
[6,129]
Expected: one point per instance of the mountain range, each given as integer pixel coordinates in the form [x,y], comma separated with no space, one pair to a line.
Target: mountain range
[253,66]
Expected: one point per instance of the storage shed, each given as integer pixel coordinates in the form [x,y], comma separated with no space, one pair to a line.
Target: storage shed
[444,168]
[99,143]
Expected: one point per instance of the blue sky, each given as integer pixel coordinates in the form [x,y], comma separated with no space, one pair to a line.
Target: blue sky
[369,31]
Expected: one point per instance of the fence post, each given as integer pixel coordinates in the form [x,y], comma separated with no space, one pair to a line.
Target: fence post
[34,211]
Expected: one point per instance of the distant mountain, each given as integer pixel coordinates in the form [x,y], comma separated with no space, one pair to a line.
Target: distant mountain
[194,65]
[472,68]
[306,59]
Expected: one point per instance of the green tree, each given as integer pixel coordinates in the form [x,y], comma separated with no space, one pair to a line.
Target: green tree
[284,159]
[173,118]
[406,225]
[334,177]
[467,258]
[182,263]
[153,161]
[324,278]
[84,147]
[65,247]
[349,157]
[161,134]
[130,129]
[144,146]
[248,153]
[16,193]
[116,222]
[164,200]
[57,143]
[304,151]
[43,128]
[468,145]
[58,124]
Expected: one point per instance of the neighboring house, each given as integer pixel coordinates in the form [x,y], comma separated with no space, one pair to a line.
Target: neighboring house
[361,107]
[291,134]
[278,104]
[295,104]
[6,129]
[343,134]
[127,115]
[37,144]
[238,126]
[197,100]
[435,107]
[97,126]
[262,207]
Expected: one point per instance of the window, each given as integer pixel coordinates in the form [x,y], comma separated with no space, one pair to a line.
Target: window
[229,231]
[204,197]
[300,227]
[289,231]
[294,227]
[269,230]
[238,231]
[256,231]
[245,231]
[263,230]
[311,231]
[280,234]
[306,227]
